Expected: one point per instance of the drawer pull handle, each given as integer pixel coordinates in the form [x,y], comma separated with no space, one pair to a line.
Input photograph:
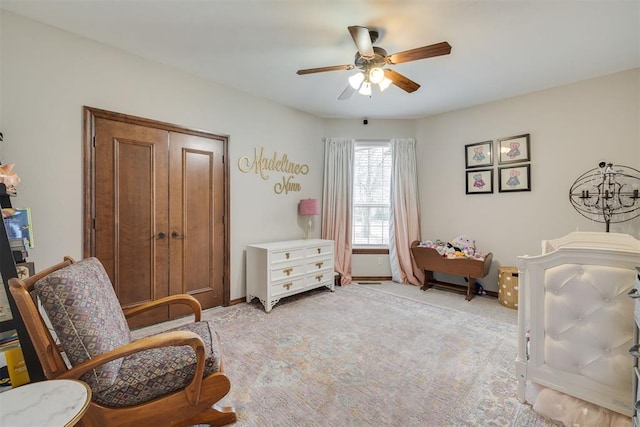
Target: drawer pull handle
[319,277]
[287,271]
[319,250]
[319,264]
[635,351]
[633,293]
[287,285]
[287,255]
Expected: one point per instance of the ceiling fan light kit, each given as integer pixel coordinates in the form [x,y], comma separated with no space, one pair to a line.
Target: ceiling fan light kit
[363,81]
[365,89]
[370,60]
[385,83]
[376,75]
[356,80]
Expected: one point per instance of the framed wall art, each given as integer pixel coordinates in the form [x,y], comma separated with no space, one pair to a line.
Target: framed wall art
[514,149]
[479,181]
[478,155]
[514,178]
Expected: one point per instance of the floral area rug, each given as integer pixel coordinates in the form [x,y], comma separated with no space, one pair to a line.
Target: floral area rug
[361,357]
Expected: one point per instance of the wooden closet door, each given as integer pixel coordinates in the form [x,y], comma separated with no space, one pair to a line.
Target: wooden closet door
[156,197]
[196,219]
[130,210]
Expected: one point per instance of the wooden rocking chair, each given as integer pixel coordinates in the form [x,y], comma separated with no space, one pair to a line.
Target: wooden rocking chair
[173,378]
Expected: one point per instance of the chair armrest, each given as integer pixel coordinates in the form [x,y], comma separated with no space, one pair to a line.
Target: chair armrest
[173,299]
[165,339]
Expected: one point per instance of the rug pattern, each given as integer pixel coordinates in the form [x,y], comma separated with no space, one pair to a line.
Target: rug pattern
[361,357]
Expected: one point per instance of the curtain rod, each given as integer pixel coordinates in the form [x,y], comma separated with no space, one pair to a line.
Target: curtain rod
[324,139]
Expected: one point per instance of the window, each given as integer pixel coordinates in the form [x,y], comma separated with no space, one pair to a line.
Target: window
[371,193]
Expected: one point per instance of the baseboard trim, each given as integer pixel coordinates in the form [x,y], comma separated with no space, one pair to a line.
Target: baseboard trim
[369,278]
[461,288]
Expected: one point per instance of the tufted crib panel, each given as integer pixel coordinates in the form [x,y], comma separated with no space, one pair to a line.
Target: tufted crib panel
[575,320]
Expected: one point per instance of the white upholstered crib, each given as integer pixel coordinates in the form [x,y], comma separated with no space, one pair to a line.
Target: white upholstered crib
[575,320]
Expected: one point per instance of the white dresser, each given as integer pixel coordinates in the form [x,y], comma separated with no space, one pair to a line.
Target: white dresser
[281,269]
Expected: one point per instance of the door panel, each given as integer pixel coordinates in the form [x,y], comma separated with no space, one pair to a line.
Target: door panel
[130,210]
[133,215]
[196,210]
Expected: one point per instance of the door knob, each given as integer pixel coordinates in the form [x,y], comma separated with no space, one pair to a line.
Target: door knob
[162,235]
[177,235]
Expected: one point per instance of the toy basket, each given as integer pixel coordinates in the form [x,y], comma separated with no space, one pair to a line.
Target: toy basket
[508,286]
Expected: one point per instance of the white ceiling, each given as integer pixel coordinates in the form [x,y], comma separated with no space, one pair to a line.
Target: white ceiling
[499,48]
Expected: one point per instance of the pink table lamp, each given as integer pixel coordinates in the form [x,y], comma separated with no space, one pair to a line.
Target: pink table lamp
[308,207]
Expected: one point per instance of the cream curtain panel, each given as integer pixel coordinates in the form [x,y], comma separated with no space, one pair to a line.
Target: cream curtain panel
[404,224]
[337,201]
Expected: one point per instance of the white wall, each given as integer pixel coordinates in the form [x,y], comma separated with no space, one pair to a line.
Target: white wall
[48,76]
[572,128]
[375,129]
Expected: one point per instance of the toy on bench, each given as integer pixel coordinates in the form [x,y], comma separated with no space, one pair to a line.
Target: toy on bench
[458,257]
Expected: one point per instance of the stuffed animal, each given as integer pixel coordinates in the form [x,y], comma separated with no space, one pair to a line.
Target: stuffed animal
[461,247]
[9,177]
[462,242]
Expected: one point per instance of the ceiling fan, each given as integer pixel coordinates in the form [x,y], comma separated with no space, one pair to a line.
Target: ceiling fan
[370,60]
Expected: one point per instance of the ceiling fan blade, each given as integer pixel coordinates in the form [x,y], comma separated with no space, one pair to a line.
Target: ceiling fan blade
[401,81]
[362,39]
[346,93]
[438,49]
[323,69]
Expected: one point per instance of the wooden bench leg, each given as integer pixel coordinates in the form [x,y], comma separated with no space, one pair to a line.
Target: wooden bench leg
[428,280]
[471,288]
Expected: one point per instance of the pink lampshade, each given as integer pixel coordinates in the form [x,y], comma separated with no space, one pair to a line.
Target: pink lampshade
[309,207]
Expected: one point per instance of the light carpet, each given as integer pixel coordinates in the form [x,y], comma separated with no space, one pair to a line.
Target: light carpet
[364,357]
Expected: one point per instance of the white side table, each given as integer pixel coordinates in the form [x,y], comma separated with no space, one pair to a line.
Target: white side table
[47,403]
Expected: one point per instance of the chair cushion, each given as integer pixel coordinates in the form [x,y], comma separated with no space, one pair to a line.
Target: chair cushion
[85,314]
[149,374]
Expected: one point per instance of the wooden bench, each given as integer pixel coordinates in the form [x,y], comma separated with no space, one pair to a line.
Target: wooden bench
[431,261]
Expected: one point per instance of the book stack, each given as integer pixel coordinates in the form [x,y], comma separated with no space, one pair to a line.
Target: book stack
[13,370]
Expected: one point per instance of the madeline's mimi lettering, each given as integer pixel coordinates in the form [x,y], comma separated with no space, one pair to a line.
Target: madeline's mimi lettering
[286,185]
[262,165]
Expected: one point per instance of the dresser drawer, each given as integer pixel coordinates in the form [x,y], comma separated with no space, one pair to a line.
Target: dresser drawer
[319,278]
[319,264]
[286,286]
[317,250]
[287,270]
[287,255]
